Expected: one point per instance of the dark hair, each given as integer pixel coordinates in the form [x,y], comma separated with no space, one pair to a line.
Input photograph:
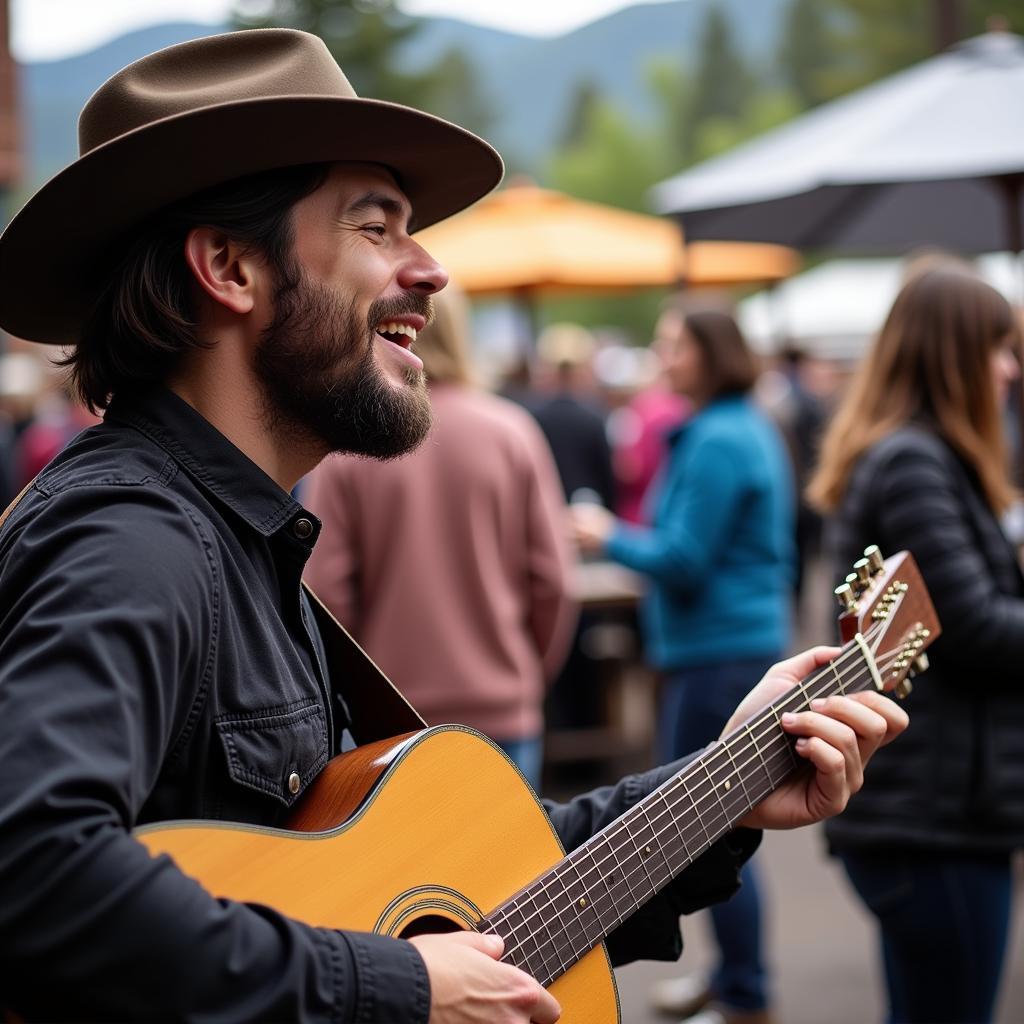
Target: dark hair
[145,317]
[729,366]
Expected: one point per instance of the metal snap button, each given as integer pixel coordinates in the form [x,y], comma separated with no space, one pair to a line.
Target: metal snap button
[303,529]
[294,782]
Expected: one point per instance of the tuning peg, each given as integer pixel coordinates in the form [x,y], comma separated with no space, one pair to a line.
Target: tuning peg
[903,688]
[862,569]
[846,597]
[921,663]
[876,562]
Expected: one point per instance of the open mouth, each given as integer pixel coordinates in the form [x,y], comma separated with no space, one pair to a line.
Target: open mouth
[397,334]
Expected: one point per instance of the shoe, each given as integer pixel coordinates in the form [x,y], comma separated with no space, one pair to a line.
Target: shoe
[682,996]
[716,1013]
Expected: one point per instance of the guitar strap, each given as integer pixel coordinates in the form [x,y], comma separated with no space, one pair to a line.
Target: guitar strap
[10,508]
[376,707]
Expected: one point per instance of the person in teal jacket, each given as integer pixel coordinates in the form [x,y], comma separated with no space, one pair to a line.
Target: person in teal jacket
[720,555]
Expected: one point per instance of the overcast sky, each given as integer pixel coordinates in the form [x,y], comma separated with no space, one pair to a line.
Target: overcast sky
[47,29]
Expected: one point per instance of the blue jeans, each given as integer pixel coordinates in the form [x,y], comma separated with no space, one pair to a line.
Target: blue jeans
[943,921]
[696,704]
[528,755]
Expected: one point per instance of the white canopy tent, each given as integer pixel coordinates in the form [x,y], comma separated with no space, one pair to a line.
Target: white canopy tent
[834,309]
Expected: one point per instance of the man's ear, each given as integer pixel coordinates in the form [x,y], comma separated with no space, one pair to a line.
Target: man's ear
[223,269]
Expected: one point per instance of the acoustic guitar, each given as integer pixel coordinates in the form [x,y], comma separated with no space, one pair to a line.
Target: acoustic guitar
[436,830]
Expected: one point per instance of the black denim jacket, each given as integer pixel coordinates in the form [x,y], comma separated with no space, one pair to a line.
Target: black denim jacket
[157,661]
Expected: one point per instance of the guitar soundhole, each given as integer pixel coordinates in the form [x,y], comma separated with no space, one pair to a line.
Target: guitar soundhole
[428,924]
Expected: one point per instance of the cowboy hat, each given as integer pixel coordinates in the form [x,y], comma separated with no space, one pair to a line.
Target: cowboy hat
[197,115]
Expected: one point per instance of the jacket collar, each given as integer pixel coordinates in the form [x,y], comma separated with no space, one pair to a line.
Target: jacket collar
[208,457]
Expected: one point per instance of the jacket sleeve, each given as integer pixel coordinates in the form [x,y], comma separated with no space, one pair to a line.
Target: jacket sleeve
[652,932]
[332,570]
[919,504]
[106,641]
[680,549]
[552,609]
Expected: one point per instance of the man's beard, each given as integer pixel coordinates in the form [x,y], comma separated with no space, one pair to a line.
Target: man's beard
[321,382]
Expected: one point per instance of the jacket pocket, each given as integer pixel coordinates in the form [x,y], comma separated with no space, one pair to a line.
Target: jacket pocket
[277,751]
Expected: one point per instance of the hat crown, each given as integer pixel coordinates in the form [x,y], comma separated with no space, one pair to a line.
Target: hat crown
[255,64]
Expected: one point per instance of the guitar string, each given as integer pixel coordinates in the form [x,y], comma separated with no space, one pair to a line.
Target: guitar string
[709,797]
[597,906]
[705,797]
[727,824]
[728,815]
[767,716]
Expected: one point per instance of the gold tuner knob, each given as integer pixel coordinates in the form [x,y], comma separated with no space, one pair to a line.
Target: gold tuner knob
[903,689]
[875,560]
[921,663]
[846,598]
[862,567]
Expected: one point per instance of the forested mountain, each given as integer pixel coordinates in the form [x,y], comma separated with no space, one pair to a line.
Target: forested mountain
[527,84]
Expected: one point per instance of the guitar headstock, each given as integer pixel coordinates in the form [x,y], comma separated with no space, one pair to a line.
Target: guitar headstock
[886,601]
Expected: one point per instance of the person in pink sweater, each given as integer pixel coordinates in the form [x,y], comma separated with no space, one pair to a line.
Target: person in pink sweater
[451,566]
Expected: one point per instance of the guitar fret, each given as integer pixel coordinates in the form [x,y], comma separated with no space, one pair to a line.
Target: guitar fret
[645,839]
[760,753]
[715,789]
[624,876]
[583,903]
[839,678]
[638,857]
[674,818]
[736,772]
[611,913]
[794,760]
[532,917]
[700,817]
[517,953]
[545,921]
[621,880]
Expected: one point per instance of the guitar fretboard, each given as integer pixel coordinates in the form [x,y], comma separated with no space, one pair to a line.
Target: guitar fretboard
[560,916]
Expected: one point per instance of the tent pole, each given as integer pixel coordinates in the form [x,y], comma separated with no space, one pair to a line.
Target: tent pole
[1012,186]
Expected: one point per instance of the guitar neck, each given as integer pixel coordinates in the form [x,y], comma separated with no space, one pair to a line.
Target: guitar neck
[563,914]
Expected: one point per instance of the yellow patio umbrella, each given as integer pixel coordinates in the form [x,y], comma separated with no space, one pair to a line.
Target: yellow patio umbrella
[529,241]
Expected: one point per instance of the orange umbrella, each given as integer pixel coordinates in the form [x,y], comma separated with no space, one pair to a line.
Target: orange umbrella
[525,240]
[721,264]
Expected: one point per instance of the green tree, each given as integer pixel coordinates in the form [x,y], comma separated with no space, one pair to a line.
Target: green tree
[586,97]
[672,89]
[614,160]
[768,109]
[875,38]
[806,52]
[366,37]
[722,84]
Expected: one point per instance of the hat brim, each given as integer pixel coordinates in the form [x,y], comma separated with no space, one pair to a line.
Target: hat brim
[55,254]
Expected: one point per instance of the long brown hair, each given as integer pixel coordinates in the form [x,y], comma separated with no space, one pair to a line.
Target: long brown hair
[144,320]
[931,361]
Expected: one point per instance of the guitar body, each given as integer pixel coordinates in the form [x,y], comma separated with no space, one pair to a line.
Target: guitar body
[427,832]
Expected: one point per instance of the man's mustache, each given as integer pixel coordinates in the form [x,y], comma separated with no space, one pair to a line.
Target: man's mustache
[407,305]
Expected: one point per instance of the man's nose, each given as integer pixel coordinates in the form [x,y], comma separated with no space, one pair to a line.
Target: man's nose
[422,273]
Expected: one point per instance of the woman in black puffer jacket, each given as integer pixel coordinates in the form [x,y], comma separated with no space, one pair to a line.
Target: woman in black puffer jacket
[916,459]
